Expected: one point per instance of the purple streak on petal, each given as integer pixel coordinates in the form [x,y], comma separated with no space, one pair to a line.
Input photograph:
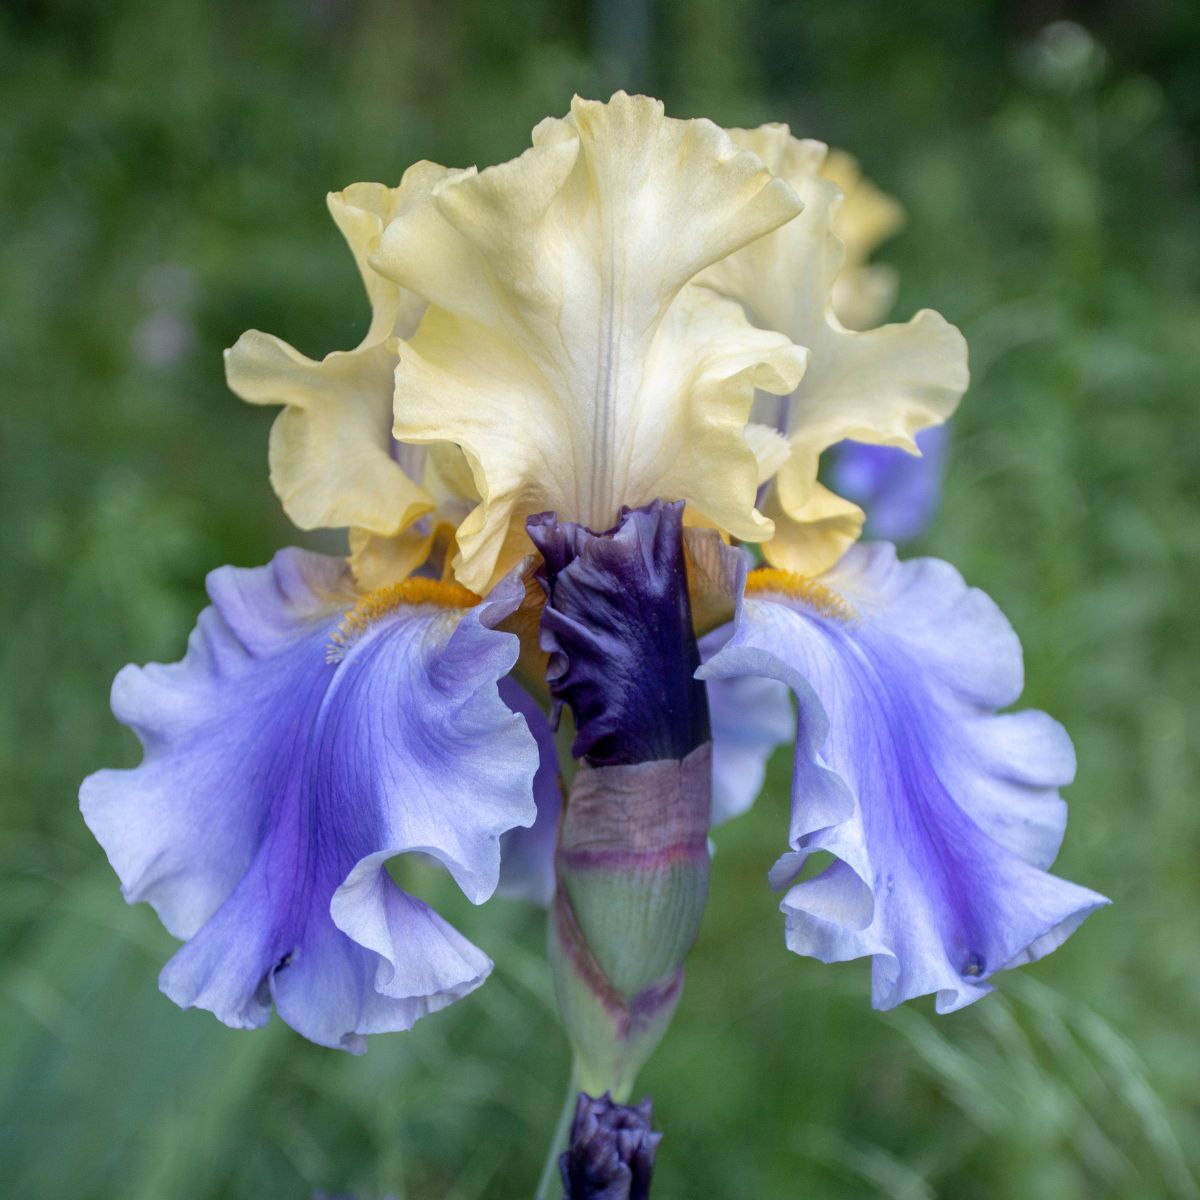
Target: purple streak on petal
[618,627]
[527,855]
[276,784]
[899,492]
[941,814]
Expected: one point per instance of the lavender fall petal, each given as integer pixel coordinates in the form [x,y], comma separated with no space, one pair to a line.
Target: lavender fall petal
[283,768]
[940,813]
[751,718]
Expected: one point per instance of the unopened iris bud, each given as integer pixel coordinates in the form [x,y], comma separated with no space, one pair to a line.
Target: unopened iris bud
[611,1152]
[632,856]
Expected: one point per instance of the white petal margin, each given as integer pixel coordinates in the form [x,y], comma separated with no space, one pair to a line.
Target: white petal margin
[941,814]
[880,386]
[283,767]
[563,350]
[333,459]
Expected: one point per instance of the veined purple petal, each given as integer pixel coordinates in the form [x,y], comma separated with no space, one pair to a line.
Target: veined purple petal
[618,628]
[900,492]
[940,813]
[282,770]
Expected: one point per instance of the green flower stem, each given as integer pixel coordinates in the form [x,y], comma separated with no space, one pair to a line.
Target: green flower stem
[546,1188]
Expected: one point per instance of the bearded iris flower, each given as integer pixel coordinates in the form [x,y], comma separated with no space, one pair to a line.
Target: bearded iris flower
[593,375]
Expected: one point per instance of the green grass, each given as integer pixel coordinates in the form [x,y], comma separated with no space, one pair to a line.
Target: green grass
[168,161]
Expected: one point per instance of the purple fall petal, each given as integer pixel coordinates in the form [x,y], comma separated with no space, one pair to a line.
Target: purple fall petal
[899,492]
[940,813]
[277,783]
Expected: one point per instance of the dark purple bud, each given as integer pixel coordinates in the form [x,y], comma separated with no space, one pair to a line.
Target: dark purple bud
[618,628]
[611,1152]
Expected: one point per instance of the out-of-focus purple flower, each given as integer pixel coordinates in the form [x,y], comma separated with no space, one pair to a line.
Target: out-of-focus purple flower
[941,814]
[168,330]
[900,492]
[161,339]
[310,735]
[611,1152]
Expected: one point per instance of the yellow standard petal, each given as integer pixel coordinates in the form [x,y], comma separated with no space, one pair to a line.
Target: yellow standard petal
[564,349]
[863,291]
[333,459]
[882,385]
[378,560]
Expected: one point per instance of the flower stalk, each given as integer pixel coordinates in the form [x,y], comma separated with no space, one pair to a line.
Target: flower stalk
[631,859]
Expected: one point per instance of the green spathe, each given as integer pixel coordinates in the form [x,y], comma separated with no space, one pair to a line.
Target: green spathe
[632,865]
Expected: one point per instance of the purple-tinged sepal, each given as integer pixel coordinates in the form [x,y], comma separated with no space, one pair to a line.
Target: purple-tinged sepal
[942,814]
[309,735]
[631,861]
[610,1155]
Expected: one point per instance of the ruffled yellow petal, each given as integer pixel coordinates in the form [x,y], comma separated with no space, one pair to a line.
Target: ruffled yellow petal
[362,212]
[883,385]
[330,452]
[380,559]
[564,351]
[377,560]
[880,386]
[812,533]
[862,292]
[863,295]
[868,217]
[770,448]
[332,456]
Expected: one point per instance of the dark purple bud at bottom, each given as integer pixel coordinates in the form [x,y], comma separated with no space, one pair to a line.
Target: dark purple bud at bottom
[611,1152]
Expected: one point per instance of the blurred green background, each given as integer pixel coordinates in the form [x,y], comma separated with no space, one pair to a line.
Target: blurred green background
[162,173]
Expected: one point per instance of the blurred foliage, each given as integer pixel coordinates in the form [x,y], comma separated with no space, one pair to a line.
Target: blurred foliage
[162,166]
